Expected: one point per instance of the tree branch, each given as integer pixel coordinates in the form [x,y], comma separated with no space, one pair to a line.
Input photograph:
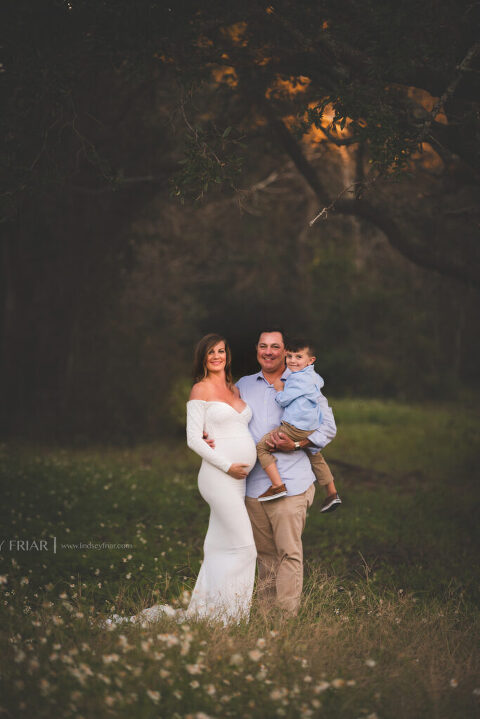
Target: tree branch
[416,253]
[121,183]
[464,65]
[294,151]
[339,141]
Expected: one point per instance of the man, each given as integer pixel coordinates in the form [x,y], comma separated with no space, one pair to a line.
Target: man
[278,526]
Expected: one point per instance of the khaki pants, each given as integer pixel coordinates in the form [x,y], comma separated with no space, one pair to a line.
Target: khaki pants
[320,468]
[277,530]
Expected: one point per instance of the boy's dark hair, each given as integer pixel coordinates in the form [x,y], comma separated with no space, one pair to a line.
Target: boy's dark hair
[300,343]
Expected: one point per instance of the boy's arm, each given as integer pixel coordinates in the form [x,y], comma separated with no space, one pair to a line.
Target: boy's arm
[294,387]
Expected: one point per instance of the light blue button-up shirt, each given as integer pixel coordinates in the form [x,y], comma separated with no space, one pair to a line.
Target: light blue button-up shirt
[300,398]
[294,467]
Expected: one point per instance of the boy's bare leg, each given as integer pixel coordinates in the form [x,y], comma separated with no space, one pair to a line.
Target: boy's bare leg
[329,488]
[274,474]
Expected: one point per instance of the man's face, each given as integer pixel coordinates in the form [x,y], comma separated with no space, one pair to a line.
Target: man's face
[271,351]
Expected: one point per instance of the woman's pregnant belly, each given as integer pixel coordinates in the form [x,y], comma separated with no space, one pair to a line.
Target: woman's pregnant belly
[223,493]
[238,449]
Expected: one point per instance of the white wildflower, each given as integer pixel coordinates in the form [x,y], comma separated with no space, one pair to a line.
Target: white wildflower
[277,694]
[153,695]
[45,687]
[170,639]
[19,656]
[194,668]
[109,658]
[185,648]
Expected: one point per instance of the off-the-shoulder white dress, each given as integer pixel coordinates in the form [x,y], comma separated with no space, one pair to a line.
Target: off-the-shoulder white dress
[225,583]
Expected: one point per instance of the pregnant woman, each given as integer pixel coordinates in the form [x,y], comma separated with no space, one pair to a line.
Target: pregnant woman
[225,583]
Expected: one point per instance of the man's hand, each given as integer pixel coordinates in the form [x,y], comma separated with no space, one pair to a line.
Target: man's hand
[210,442]
[279,442]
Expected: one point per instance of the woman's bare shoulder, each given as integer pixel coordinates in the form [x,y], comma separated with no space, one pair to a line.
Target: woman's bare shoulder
[199,391]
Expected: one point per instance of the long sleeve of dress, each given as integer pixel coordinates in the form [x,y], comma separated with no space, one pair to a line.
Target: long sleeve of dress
[195,427]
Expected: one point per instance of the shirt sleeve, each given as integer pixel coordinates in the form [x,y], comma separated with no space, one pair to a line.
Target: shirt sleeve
[239,384]
[327,430]
[294,387]
[195,426]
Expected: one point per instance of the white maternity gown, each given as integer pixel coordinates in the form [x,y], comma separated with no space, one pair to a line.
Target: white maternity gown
[225,583]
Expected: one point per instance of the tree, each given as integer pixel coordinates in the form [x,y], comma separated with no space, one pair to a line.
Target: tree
[100,95]
[394,77]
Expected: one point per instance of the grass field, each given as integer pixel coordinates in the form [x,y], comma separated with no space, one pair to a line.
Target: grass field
[388,626]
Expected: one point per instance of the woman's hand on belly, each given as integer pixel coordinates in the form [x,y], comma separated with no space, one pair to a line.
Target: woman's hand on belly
[238,470]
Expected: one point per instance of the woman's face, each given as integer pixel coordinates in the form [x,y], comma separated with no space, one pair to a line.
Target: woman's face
[216,357]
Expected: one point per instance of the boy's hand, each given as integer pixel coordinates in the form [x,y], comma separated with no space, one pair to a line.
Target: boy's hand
[278,385]
[210,442]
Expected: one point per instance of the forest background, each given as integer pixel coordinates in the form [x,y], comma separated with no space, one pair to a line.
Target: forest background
[163,164]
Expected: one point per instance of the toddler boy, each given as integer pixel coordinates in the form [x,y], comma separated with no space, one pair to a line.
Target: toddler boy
[300,397]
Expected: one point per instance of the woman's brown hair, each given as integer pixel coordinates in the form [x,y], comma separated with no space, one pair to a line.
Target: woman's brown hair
[200,357]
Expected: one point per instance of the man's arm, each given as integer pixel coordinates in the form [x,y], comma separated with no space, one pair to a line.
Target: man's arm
[327,430]
[319,437]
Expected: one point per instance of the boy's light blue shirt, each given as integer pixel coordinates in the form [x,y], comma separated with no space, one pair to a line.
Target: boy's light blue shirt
[294,467]
[300,399]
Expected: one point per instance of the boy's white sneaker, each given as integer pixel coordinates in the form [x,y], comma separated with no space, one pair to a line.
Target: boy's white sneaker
[330,503]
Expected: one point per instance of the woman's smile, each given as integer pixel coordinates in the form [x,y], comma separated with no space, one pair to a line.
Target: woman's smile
[216,357]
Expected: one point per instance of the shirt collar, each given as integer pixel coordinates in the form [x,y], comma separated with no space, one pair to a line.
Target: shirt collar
[284,375]
[308,368]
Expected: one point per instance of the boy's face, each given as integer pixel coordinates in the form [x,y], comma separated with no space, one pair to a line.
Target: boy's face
[299,359]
